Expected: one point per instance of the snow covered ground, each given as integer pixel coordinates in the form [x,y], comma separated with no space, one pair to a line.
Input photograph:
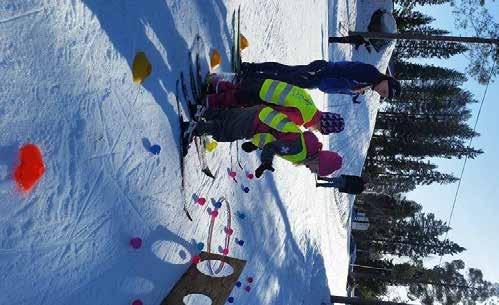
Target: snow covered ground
[66,86]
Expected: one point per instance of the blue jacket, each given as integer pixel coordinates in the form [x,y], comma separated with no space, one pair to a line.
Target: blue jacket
[345,76]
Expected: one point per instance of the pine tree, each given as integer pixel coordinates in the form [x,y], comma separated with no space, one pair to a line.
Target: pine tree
[427,49]
[377,205]
[407,20]
[415,237]
[410,71]
[443,284]
[439,148]
[483,58]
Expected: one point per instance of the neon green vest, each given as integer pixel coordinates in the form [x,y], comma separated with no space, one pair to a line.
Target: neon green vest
[280,122]
[284,94]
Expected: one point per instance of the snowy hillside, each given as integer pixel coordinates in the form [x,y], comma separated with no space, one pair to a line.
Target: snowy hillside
[66,86]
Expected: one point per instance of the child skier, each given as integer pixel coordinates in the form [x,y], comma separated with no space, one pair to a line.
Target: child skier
[344,183]
[343,77]
[273,133]
[294,101]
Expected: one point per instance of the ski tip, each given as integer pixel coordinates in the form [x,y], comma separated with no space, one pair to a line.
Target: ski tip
[187,214]
[208,173]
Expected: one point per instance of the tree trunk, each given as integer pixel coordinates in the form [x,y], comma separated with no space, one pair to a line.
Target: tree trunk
[417,36]
[357,301]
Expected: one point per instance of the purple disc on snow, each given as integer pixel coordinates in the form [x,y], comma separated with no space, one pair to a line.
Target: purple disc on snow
[230,300]
[240,242]
[136,242]
[217,205]
[238,284]
[246,189]
[155,149]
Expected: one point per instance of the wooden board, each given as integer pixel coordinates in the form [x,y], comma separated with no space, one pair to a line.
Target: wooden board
[195,282]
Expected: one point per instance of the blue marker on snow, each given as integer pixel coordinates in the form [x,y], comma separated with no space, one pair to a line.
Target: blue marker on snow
[200,246]
[155,149]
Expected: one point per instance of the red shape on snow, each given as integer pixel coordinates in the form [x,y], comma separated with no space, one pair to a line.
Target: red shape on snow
[229,231]
[201,201]
[137,302]
[136,242]
[30,168]
[232,174]
[196,259]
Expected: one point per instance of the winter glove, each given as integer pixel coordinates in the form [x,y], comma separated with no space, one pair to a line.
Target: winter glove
[264,166]
[249,147]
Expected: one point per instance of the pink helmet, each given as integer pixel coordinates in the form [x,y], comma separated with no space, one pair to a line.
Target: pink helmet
[329,161]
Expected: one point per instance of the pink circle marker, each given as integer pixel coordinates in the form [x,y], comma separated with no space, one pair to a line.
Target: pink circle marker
[136,242]
[214,213]
[225,251]
[250,176]
[232,174]
[229,231]
[201,201]
[195,259]
[137,302]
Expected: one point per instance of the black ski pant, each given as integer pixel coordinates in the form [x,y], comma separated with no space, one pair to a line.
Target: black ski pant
[228,124]
[304,76]
[344,183]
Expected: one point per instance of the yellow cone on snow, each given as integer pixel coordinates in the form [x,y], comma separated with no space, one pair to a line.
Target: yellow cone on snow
[243,42]
[211,146]
[141,68]
[215,58]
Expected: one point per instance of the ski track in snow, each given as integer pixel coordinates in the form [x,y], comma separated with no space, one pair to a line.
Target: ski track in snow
[66,86]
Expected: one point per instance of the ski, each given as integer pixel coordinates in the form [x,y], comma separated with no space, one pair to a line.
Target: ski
[236,57]
[238,42]
[182,152]
[202,85]
[233,47]
[196,93]
[194,88]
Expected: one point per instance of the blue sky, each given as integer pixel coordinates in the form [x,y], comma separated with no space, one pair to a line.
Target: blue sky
[475,221]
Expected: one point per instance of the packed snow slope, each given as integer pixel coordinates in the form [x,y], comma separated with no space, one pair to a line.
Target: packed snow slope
[66,86]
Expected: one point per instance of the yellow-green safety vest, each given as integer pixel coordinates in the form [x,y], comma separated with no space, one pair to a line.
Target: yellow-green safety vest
[284,94]
[280,122]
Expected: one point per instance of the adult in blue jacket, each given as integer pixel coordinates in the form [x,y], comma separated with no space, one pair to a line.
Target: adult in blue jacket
[342,77]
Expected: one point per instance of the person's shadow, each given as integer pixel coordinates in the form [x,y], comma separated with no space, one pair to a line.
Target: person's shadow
[164,33]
